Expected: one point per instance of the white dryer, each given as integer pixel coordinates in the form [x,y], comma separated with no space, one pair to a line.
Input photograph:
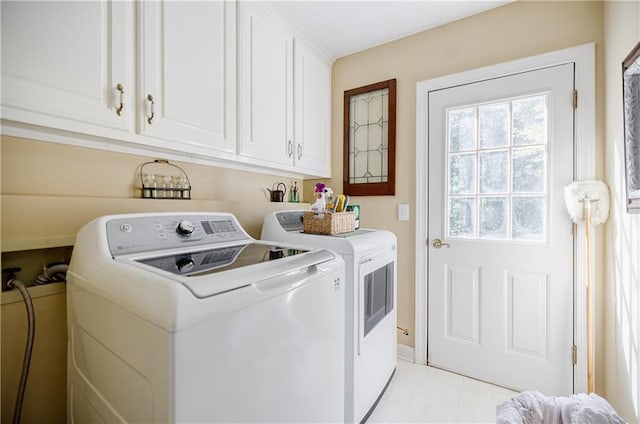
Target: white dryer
[370,313]
[183,317]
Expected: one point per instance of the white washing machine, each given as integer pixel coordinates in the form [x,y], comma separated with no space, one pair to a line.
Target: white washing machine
[184,318]
[370,313]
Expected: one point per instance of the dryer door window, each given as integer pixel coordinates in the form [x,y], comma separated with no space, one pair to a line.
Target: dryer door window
[378,296]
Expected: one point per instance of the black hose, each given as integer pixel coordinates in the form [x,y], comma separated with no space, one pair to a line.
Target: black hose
[17,412]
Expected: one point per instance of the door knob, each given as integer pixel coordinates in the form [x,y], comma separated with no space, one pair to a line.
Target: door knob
[437,243]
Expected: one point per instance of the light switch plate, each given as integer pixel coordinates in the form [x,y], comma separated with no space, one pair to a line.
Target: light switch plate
[403,212]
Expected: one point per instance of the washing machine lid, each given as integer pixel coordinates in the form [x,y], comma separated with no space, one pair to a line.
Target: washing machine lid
[206,252]
[219,259]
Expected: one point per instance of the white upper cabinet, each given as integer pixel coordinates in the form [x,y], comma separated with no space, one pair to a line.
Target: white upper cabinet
[187,73]
[312,105]
[222,82]
[284,93]
[68,64]
[266,87]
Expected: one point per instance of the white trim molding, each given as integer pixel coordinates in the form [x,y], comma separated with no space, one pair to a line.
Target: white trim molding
[406,353]
[583,58]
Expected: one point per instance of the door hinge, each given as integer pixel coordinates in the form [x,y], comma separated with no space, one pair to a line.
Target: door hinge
[575,99]
[574,354]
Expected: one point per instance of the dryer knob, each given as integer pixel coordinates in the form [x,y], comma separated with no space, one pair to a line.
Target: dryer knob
[185,264]
[185,227]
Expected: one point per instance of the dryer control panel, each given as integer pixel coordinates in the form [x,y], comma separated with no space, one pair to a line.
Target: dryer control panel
[291,221]
[137,234]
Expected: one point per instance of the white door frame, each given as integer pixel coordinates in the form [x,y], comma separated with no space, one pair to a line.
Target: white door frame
[584,169]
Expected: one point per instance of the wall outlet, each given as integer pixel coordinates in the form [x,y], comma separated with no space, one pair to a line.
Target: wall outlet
[403,212]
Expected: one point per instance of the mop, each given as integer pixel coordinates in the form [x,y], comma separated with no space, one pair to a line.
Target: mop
[588,202]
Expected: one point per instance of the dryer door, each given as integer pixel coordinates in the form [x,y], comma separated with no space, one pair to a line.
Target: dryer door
[376,294]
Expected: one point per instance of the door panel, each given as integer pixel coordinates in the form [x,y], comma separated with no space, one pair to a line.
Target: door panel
[500,285]
[463,307]
[527,307]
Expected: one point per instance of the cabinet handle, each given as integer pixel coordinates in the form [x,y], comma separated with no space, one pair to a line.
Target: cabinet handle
[120,108]
[290,148]
[299,151]
[152,109]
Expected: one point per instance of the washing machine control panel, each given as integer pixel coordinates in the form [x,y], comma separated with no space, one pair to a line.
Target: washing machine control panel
[185,228]
[138,234]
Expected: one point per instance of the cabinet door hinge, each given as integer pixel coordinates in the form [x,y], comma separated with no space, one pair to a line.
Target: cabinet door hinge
[574,354]
[575,99]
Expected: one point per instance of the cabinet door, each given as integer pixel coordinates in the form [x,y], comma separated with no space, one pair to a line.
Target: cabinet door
[312,113]
[187,66]
[266,88]
[63,61]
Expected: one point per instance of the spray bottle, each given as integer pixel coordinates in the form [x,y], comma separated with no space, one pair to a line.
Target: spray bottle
[328,198]
[319,205]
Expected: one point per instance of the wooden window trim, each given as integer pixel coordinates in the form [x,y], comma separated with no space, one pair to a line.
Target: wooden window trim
[371,189]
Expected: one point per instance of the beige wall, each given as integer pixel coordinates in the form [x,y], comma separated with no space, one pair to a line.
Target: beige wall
[45,393]
[622,283]
[510,32]
[31,167]
[50,190]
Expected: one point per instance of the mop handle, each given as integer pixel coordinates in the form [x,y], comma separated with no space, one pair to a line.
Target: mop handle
[587,225]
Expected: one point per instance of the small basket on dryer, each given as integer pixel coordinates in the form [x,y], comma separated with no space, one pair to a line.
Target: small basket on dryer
[329,223]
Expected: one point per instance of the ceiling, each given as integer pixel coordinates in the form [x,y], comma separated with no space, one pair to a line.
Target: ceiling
[350,26]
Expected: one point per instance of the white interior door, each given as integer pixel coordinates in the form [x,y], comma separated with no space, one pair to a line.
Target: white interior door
[500,288]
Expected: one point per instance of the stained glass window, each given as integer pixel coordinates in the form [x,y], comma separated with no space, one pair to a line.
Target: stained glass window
[370,139]
[369,150]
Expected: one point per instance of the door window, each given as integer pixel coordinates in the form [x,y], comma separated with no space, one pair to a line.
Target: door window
[497,170]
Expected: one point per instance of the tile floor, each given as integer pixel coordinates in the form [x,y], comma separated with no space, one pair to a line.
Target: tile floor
[419,394]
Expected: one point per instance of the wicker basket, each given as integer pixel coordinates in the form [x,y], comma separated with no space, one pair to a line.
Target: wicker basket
[329,223]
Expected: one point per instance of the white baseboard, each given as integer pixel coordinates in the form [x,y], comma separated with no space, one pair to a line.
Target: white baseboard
[406,352]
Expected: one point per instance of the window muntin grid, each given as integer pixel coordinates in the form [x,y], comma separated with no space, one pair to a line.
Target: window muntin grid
[497,170]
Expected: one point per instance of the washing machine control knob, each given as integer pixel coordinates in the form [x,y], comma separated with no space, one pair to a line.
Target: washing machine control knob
[185,264]
[185,227]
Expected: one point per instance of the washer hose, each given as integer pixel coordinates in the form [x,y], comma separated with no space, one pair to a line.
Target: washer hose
[28,348]
[52,273]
